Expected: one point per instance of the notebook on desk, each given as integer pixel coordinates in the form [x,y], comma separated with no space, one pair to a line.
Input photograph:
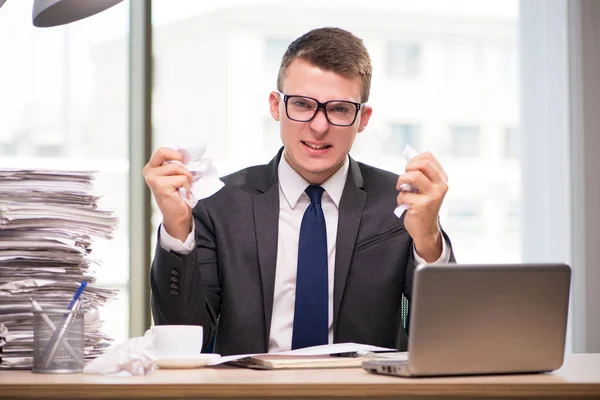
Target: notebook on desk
[282,361]
[277,361]
[484,319]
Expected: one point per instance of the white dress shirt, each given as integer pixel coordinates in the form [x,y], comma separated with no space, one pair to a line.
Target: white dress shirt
[293,202]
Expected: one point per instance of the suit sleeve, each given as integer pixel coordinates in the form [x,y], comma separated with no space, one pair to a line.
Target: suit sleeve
[185,288]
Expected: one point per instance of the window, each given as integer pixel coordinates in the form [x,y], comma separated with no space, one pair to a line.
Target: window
[64,103]
[64,100]
[404,60]
[513,216]
[509,68]
[400,136]
[272,140]
[274,51]
[511,143]
[464,216]
[464,61]
[440,53]
[465,141]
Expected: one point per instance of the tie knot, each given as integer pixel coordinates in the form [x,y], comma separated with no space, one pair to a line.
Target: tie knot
[314,193]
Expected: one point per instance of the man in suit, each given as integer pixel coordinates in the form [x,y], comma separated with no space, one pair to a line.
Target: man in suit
[305,250]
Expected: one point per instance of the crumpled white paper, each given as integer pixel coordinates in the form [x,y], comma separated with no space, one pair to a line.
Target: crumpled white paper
[133,357]
[206,180]
[409,153]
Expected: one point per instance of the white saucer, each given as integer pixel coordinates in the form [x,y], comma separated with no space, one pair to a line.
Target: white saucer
[185,362]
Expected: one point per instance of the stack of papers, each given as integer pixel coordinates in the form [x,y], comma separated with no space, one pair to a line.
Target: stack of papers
[48,220]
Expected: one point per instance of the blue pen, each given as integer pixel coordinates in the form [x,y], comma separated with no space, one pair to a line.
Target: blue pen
[77,294]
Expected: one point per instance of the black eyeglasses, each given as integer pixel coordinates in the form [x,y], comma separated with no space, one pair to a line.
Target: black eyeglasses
[304,109]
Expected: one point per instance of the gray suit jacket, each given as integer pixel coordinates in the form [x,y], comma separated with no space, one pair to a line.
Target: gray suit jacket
[227,283]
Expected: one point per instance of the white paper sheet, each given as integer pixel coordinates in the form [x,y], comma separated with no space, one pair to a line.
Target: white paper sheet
[409,153]
[335,348]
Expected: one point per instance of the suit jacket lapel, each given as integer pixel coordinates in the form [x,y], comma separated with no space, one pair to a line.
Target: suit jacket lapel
[351,208]
[265,203]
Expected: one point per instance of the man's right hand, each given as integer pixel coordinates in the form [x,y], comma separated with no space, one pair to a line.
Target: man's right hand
[165,181]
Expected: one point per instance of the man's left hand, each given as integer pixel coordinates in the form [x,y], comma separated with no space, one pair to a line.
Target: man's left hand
[425,173]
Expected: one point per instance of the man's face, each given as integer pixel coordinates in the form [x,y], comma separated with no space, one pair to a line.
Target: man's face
[316,149]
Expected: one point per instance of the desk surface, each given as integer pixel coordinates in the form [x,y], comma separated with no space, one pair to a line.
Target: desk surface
[578,378]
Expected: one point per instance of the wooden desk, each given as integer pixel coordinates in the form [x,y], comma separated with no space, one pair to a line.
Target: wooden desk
[578,378]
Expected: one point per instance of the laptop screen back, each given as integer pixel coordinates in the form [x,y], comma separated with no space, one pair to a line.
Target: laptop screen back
[473,319]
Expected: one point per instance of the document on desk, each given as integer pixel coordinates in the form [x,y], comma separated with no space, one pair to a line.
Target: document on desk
[338,355]
[278,361]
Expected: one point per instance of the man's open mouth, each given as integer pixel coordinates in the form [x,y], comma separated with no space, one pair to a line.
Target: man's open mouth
[316,146]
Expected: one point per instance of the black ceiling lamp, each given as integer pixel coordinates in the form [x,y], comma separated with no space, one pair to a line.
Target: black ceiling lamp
[47,13]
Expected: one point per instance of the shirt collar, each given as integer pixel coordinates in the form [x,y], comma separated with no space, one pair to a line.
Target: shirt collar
[293,185]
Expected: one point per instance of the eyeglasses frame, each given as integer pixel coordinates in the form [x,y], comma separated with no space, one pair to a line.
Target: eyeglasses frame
[320,105]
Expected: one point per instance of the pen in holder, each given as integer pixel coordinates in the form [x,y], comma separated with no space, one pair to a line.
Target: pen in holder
[52,327]
[59,350]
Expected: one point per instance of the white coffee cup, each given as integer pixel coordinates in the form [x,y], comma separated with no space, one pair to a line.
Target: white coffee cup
[177,340]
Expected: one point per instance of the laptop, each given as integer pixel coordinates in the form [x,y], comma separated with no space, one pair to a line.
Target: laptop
[484,319]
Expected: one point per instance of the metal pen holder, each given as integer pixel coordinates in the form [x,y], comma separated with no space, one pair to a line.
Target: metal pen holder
[58,343]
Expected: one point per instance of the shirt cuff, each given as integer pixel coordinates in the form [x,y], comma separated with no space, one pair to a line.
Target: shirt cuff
[169,243]
[444,258]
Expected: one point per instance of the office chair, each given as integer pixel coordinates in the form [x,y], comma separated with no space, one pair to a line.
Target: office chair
[405,310]
[402,339]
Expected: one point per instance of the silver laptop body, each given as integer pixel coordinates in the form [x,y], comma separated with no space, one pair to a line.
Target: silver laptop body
[484,319]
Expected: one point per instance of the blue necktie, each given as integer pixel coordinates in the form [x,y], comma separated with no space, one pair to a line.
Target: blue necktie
[311,308]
